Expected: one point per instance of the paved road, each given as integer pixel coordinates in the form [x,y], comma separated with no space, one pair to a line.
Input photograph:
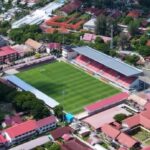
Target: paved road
[32,144]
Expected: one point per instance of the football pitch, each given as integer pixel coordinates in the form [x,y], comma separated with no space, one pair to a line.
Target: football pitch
[71,87]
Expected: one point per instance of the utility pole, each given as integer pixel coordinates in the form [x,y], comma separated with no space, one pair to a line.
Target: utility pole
[111,43]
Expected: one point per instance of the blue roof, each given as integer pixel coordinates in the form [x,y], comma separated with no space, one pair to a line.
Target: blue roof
[27,87]
[108,61]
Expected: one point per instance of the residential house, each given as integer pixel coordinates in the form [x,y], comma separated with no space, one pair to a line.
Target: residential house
[134,14]
[59,132]
[74,144]
[90,25]
[23,50]
[70,7]
[38,47]
[141,119]
[116,136]
[88,37]
[53,46]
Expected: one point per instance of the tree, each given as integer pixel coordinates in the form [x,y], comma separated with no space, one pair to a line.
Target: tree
[55,146]
[144,50]
[120,117]
[133,27]
[145,3]
[101,25]
[58,110]
[132,59]
[127,20]
[143,40]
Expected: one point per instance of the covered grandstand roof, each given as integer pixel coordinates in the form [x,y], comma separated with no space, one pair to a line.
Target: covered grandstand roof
[103,103]
[26,87]
[108,61]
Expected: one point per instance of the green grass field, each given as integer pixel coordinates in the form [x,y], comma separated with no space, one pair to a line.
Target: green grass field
[70,86]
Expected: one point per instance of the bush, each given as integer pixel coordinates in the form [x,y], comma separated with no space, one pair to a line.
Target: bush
[120,117]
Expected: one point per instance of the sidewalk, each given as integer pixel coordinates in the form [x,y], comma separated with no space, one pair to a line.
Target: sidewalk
[32,144]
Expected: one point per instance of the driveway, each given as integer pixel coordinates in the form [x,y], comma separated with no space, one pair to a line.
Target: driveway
[32,144]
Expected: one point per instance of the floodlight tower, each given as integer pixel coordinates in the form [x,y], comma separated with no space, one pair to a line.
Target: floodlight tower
[111,42]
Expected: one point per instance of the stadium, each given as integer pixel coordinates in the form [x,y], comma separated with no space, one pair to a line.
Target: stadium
[85,77]
[69,86]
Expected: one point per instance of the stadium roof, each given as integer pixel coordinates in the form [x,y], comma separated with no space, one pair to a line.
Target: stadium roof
[103,103]
[108,61]
[26,87]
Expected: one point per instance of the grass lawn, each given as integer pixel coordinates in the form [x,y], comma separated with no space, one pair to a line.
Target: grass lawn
[147,143]
[70,86]
[141,135]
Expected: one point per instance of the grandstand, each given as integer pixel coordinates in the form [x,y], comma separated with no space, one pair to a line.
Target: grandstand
[27,87]
[112,69]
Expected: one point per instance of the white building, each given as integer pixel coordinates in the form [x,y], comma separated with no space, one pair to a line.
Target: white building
[90,25]
[38,16]
[25,130]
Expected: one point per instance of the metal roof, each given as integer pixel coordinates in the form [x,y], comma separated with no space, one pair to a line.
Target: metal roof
[108,61]
[26,87]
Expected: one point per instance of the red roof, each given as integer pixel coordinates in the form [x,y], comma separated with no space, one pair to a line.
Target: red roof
[46,121]
[132,121]
[59,132]
[70,7]
[7,51]
[126,140]
[74,144]
[146,148]
[2,139]
[106,102]
[143,119]
[134,13]
[54,45]
[148,43]
[110,131]
[22,128]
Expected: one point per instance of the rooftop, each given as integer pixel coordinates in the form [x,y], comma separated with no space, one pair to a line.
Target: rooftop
[40,95]
[45,121]
[99,119]
[106,102]
[21,128]
[74,144]
[59,132]
[108,61]
[126,140]
[32,43]
[110,131]
[7,51]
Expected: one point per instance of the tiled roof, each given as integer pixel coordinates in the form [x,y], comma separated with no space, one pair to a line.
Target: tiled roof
[140,119]
[2,139]
[33,44]
[106,102]
[59,132]
[74,144]
[132,121]
[126,140]
[22,128]
[70,7]
[7,51]
[46,121]
[110,131]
